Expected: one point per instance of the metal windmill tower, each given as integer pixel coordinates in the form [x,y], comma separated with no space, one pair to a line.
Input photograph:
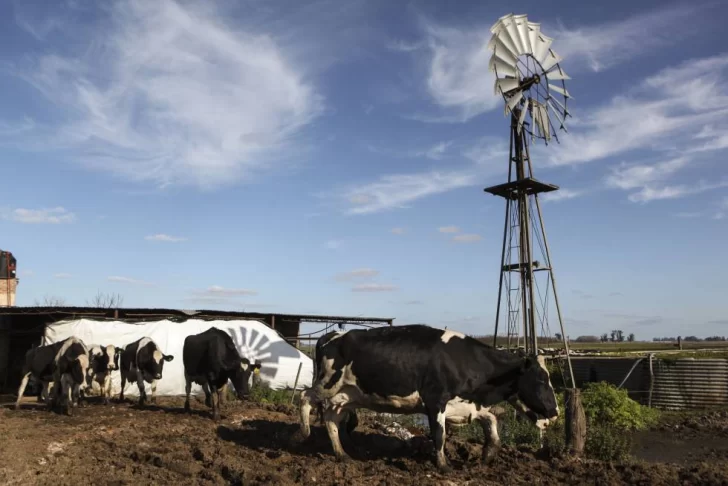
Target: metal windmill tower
[529,78]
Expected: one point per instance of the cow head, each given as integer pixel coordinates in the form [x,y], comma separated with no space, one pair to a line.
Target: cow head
[241,377]
[156,364]
[535,390]
[111,357]
[78,369]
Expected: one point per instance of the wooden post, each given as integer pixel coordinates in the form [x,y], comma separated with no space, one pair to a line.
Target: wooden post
[295,384]
[575,421]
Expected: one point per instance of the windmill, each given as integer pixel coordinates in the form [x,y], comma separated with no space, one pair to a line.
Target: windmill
[532,83]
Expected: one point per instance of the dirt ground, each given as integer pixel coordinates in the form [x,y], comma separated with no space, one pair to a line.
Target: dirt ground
[254,444]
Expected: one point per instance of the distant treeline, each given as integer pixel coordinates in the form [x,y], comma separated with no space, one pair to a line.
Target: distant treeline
[690,338]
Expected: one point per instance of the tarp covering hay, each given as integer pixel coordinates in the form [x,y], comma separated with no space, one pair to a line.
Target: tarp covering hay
[253,339]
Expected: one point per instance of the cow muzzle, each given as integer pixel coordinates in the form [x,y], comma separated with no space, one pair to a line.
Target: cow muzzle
[158,376]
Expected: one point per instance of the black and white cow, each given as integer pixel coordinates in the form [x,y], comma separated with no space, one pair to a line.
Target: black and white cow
[103,360]
[142,361]
[211,359]
[62,364]
[449,377]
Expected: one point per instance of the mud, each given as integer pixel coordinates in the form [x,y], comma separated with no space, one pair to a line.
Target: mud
[120,444]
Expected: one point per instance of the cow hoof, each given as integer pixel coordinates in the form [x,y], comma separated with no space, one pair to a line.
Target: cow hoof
[489,456]
[444,469]
[343,458]
[187,407]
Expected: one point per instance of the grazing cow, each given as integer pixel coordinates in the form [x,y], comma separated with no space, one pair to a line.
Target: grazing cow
[211,359]
[449,377]
[142,361]
[64,364]
[102,361]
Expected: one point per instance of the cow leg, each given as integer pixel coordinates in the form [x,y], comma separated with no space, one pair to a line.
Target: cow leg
[123,385]
[208,399]
[492,443]
[142,392]
[333,419]
[106,392]
[436,417]
[154,392]
[215,399]
[67,394]
[188,390]
[305,412]
[21,389]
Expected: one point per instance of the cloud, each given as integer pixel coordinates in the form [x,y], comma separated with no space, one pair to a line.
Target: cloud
[165,93]
[582,294]
[688,214]
[359,273]
[333,244]
[665,112]
[414,302]
[27,273]
[216,290]
[433,152]
[560,195]
[722,209]
[616,294]
[127,280]
[62,275]
[467,238]
[458,79]
[398,190]
[57,215]
[602,46]
[398,231]
[373,287]
[448,229]
[165,238]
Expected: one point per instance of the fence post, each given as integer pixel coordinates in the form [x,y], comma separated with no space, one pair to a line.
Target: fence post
[295,384]
[652,382]
[575,422]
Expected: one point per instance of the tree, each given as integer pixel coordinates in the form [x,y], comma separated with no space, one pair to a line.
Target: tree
[630,338]
[605,338]
[620,336]
[106,301]
[589,339]
[558,336]
[50,301]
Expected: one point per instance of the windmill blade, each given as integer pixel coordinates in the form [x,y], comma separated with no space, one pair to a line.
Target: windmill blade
[499,23]
[546,128]
[515,99]
[504,54]
[506,84]
[563,108]
[557,74]
[551,59]
[541,49]
[512,29]
[502,41]
[502,68]
[560,90]
[557,115]
[521,23]
[534,29]
[521,118]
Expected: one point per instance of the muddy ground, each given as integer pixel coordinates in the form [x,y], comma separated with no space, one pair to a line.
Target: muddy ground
[253,444]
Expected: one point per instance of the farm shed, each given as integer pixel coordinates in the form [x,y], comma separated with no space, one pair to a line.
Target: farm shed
[23,327]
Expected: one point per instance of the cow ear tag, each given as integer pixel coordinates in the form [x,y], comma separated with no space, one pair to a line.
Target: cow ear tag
[256,371]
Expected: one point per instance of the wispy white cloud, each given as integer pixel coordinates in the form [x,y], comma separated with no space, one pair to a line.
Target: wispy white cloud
[448,229]
[399,190]
[373,287]
[561,195]
[165,238]
[722,209]
[333,244]
[467,238]
[57,215]
[216,290]
[602,46]
[128,280]
[664,112]
[173,94]
[647,194]
[398,231]
[432,152]
[62,275]
[357,274]
[458,79]
[27,273]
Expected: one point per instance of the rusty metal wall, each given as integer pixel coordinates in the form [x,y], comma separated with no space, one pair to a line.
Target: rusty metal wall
[679,384]
[690,383]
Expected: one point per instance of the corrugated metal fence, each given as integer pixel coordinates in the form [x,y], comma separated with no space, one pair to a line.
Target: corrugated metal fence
[672,384]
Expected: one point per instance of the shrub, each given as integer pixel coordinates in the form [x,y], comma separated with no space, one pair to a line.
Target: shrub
[607,444]
[263,393]
[606,405]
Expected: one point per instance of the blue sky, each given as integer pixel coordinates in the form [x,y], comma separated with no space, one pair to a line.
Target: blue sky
[330,157]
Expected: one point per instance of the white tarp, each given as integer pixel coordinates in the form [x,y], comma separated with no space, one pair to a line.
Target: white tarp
[254,340]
